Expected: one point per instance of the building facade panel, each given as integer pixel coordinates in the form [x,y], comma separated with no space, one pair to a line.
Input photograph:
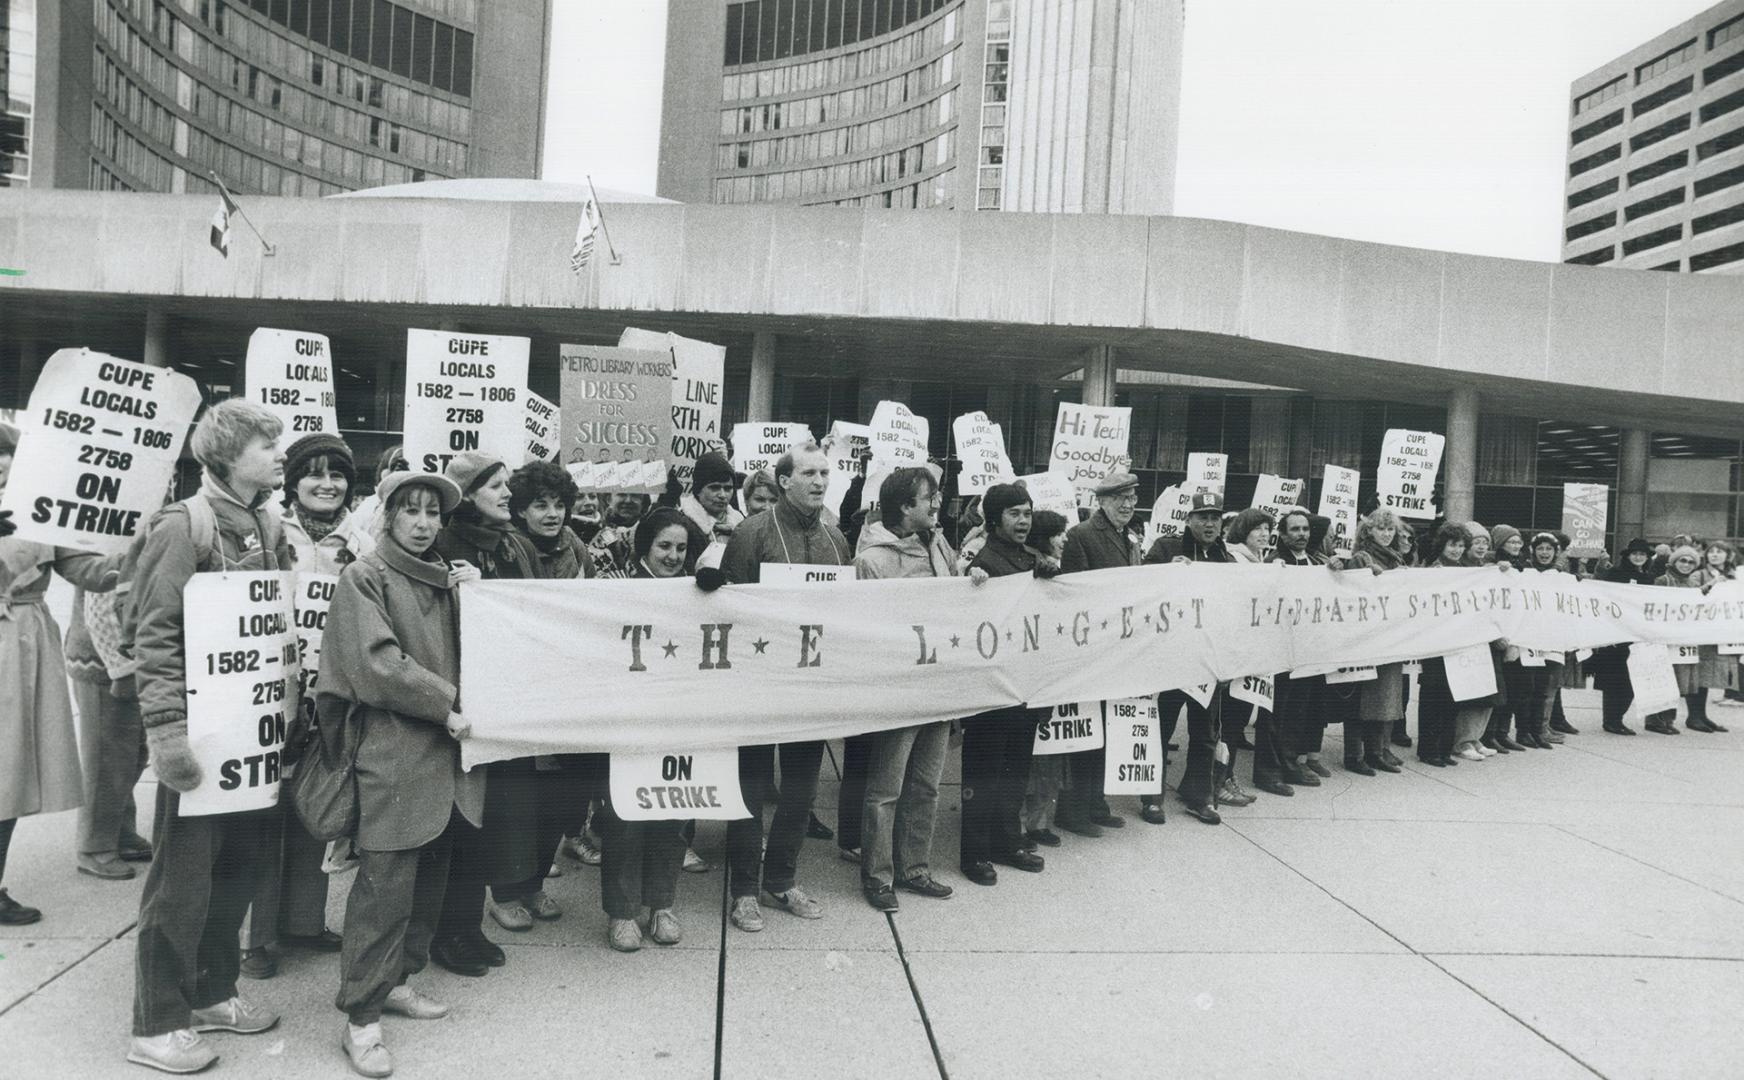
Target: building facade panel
[1648,135]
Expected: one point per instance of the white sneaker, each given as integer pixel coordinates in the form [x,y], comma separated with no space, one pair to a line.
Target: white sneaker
[236,1015]
[405,1001]
[181,1051]
[1470,755]
[1484,750]
[365,1050]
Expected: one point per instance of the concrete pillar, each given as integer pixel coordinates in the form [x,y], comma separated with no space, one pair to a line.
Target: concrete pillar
[1459,460]
[1632,456]
[157,338]
[761,403]
[1100,373]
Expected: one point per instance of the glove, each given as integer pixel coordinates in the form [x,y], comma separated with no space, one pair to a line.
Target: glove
[710,578]
[6,526]
[171,756]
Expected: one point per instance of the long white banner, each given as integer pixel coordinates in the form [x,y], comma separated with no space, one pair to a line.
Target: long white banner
[673,667]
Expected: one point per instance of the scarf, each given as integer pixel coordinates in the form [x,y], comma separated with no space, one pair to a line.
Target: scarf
[318,527]
[1386,558]
[489,538]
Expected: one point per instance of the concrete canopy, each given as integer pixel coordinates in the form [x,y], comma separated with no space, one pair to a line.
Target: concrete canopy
[1003,296]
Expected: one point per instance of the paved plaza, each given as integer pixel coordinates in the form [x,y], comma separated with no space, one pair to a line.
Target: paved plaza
[1570,913]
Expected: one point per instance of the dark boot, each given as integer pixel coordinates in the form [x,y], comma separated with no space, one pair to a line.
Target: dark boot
[1401,737]
[1353,750]
[1375,737]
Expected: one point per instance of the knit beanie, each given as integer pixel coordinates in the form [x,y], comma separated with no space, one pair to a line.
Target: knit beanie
[711,468]
[1684,551]
[999,499]
[310,447]
[1474,530]
[470,470]
[1500,535]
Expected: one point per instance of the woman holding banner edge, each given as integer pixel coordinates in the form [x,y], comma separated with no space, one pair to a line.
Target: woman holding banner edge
[1382,544]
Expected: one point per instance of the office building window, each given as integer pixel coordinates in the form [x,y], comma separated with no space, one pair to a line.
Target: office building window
[1599,96]
[1724,105]
[1590,226]
[1723,256]
[1597,191]
[1726,31]
[1720,144]
[1670,93]
[1676,126]
[1713,73]
[758,31]
[1592,161]
[1674,266]
[1668,163]
[1594,257]
[1665,61]
[1719,219]
[1648,241]
[1720,181]
[1602,124]
[1653,205]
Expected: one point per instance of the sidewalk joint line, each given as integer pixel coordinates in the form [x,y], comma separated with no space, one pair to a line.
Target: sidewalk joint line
[721,971]
[920,1004]
[1643,862]
[44,985]
[1510,1014]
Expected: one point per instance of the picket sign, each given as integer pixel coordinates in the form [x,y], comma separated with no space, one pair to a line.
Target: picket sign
[802,574]
[464,392]
[1051,491]
[97,449]
[1652,679]
[1069,728]
[1470,674]
[1201,692]
[544,424]
[698,375]
[1732,649]
[1256,689]
[1531,658]
[981,448]
[1352,674]
[1090,442]
[1687,654]
[1133,763]
[314,595]
[677,787]
[242,673]
[757,446]
[289,373]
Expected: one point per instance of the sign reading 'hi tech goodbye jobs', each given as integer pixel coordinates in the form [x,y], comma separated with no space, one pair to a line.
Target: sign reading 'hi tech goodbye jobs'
[464,392]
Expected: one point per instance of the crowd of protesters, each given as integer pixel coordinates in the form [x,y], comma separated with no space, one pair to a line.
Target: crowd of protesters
[437,849]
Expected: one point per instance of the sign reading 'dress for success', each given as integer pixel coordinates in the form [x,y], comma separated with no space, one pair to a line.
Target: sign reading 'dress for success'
[698,376]
[616,409]
[242,679]
[97,449]
[463,392]
[290,374]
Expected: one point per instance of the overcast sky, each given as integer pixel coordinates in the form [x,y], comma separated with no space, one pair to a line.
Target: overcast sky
[1431,123]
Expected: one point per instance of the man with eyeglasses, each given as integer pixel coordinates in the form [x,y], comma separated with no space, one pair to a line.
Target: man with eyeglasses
[1097,544]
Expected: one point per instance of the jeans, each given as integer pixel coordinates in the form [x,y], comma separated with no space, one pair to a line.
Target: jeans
[112,756]
[390,918]
[776,863]
[204,872]
[901,802]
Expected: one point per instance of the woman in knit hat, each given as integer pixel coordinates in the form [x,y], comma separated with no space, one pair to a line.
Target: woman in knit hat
[325,537]
[1507,545]
[1685,570]
[1382,544]
[1609,664]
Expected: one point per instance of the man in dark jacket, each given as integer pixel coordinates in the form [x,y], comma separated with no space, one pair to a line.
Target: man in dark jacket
[1100,543]
[793,532]
[1293,730]
[997,745]
[206,868]
[1202,543]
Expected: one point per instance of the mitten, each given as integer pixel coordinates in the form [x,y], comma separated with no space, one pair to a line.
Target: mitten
[710,578]
[172,757]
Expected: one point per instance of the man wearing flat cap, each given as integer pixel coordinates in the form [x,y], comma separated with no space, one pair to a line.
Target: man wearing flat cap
[1097,544]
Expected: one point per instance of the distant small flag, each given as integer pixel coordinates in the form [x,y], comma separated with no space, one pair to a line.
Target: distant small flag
[221,222]
[582,253]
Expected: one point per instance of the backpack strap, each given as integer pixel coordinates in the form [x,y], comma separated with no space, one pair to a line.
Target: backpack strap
[202,527]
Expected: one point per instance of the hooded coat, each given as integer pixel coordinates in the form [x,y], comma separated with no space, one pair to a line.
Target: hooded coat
[883,554]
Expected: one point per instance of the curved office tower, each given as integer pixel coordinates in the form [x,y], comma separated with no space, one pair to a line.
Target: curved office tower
[285,97]
[1060,105]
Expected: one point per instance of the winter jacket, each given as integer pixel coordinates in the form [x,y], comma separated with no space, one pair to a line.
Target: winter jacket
[883,554]
[563,556]
[784,534]
[391,662]
[705,527]
[349,541]
[1168,548]
[1097,545]
[497,551]
[248,538]
[1286,557]
[1000,557]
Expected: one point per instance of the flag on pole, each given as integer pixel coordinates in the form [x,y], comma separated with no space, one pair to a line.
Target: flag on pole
[580,255]
[221,222]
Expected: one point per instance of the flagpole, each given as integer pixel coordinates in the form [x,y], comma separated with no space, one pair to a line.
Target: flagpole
[616,261]
[243,214]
